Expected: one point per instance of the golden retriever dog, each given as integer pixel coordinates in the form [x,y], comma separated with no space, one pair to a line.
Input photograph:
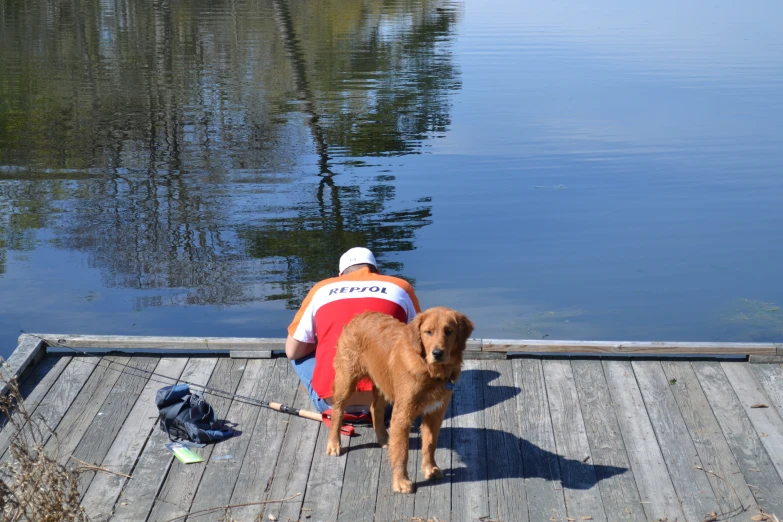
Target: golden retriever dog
[413,366]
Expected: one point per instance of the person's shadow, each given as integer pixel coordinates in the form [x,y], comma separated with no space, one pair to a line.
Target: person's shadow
[507,456]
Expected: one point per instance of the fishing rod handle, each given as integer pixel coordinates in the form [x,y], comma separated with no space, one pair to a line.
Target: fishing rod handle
[310,415]
[302,413]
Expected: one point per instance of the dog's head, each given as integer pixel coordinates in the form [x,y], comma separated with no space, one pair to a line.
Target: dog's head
[440,335]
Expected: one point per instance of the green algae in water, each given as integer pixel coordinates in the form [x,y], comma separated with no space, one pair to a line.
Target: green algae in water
[538,325]
[757,319]
[749,310]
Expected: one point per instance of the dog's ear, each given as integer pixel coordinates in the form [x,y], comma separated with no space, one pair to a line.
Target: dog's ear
[414,334]
[465,328]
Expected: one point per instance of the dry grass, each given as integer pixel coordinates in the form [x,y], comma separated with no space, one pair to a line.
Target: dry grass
[34,485]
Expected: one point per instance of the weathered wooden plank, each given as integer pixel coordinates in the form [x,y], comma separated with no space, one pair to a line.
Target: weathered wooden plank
[296,457]
[767,421]
[751,456]
[77,419]
[770,376]
[626,347]
[765,359]
[652,477]
[153,465]
[360,482]
[220,476]
[691,484]
[733,494]
[395,506]
[33,388]
[545,498]
[484,356]
[112,414]
[250,354]
[176,495]
[210,344]
[40,377]
[505,475]
[49,367]
[26,352]
[325,482]
[485,345]
[612,469]
[261,457]
[469,458]
[104,490]
[583,498]
[432,499]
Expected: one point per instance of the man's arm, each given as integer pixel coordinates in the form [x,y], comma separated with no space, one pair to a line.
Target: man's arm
[297,349]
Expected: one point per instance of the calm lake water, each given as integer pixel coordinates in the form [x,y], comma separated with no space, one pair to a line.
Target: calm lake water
[576,170]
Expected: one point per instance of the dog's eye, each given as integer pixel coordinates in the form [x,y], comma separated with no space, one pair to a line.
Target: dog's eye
[447,331]
[428,332]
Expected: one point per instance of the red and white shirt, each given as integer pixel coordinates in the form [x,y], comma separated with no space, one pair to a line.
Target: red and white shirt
[332,303]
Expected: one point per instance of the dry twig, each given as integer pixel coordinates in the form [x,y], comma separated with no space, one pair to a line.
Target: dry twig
[33,484]
[742,507]
[229,507]
[85,466]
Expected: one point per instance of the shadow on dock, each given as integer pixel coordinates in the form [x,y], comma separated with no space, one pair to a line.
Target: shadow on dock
[535,462]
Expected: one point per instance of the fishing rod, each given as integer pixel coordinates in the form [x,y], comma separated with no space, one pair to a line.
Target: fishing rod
[346,429]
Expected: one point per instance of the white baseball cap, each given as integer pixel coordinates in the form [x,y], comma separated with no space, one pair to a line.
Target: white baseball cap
[356,256]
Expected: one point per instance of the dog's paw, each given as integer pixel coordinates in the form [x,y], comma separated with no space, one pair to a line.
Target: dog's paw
[433,473]
[383,440]
[402,486]
[333,449]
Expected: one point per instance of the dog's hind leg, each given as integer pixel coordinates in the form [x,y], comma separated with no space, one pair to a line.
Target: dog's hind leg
[430,429]
[378,411]
[399,439]
[343,386]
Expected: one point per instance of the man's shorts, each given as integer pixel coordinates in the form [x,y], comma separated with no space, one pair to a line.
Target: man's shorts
[304,368]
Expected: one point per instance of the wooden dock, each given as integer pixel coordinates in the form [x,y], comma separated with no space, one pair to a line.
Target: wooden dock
[527,438]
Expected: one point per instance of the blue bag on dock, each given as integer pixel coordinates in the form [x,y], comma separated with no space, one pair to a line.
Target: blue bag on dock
[186,416]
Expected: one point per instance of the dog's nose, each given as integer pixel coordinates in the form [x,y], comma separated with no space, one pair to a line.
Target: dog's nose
[437,353]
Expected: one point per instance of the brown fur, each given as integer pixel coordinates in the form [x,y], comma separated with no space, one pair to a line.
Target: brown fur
[398,359]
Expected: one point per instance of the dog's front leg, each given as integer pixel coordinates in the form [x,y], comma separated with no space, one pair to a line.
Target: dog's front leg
[334,445]
[401,422]
[430,429]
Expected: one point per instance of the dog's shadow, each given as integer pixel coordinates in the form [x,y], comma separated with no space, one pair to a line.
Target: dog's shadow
[509,456]
[490,454]
[506,457]
[492,393]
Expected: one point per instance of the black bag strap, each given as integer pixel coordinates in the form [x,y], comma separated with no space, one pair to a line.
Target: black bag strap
[169,413]
[173,394]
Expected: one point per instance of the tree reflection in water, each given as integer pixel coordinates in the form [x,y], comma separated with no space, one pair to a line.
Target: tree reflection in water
[218,155]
